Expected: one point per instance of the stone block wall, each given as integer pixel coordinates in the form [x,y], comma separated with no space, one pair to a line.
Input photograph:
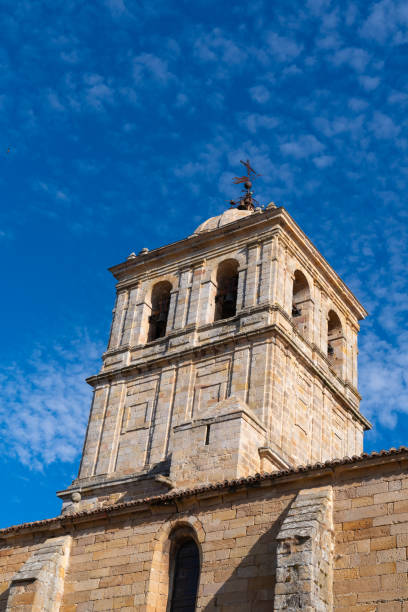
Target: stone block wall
[371,526]
[135,421]
[258,539]
[275,364]
[218,446]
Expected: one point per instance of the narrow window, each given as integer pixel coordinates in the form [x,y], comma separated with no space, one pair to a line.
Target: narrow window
[301,302]
[186,575]
[207,435]
[227,289]
[335,341]
[160,310]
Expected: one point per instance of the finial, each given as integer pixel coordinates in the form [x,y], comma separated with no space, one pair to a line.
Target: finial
[144,251]
[246,201]
[132,256]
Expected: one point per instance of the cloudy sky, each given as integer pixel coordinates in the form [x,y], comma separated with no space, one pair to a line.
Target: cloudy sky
[122,123]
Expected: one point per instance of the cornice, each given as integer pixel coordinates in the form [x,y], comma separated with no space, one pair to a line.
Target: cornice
[281,219]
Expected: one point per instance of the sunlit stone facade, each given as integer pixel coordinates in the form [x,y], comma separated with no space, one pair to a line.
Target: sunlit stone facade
[214,473]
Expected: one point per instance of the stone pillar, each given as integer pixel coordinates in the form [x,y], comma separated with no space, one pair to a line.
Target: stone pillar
[39,585]
[266,281]
[207,302]
[193,306]
[242,274]
[127,333]
[251,275]
[142,310]
[94,431]
[185,283]
[173,307]
[118,315]
[304,572]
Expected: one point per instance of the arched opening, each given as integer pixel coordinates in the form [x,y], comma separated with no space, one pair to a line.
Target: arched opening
[301,303]
[335,341]
[186,574]
[227,290]
[160,310]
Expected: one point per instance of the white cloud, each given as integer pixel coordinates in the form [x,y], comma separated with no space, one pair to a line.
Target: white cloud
[368,82]
[45,403]
[259,93]
[398,97]
[383,126]
[216,46]
[384,379]
[283,48]
[304,146]
[151,66]
[353,57]
[357,104]
[117,7]
[255,121]
[339,125]
[387,20]
[323,161]
[54,101]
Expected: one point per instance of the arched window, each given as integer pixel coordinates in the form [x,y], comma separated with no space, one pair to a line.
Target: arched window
[301,302]
[227,289]
[160,310]
[335,341]
[186,574]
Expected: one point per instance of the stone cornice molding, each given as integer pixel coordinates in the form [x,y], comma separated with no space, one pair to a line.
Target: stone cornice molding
[283,224]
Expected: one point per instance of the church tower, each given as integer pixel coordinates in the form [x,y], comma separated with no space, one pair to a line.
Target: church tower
[231,352]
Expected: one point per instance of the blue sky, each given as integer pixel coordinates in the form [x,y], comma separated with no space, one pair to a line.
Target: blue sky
[126,120]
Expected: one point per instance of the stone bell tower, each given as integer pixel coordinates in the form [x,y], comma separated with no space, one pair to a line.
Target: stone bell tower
[231,352]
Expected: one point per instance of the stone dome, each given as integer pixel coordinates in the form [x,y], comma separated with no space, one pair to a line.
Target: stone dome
[229,216]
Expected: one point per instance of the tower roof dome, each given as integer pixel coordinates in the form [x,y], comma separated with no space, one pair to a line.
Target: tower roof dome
[229,216]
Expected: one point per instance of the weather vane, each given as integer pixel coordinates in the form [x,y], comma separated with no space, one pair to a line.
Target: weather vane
[246,201]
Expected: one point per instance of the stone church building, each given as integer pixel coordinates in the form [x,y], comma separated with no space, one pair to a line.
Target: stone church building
[223,465]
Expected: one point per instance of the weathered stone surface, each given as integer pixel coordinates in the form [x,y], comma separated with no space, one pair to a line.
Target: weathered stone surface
[39,583]
[153,399]
[215,400]
[304,573]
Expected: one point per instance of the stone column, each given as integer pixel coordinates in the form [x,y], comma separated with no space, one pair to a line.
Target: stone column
[39,585]
[304,572]
[207,301]
[173,307]
[94,431]
[251,275]
[118,316]
[192,313]
[127,333]
[184,291]
[266,281]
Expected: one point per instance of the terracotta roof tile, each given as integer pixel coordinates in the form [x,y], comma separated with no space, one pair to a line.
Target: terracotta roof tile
[168,498]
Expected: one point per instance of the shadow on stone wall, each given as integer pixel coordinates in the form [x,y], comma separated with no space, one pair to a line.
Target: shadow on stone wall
[3,600]
[251,586]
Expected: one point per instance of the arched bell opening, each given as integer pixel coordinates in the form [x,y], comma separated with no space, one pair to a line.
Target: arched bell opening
[227,290]
[160,301]
[335,342]
[301,304]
